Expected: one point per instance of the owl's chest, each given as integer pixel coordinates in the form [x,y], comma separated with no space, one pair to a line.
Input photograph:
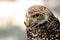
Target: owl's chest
[37,34]
[43,32]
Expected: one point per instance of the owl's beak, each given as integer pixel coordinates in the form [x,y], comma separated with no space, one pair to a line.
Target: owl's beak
[27,22]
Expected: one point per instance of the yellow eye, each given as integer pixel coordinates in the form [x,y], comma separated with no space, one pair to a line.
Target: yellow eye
[38,16]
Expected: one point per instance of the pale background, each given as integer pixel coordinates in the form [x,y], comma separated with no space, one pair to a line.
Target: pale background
[12,15]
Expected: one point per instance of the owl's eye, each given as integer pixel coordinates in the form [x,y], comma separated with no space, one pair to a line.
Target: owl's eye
[37,15]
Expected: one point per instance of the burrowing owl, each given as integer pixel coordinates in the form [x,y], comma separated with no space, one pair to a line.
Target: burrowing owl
[41,24]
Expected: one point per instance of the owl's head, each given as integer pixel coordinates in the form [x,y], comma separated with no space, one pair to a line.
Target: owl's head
[37,14]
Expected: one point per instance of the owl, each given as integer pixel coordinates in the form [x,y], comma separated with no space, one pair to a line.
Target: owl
[41,24]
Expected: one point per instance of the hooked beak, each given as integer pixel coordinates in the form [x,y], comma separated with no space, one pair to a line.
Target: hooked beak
[27,22]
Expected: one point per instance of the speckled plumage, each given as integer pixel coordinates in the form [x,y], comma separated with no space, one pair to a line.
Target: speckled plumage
[48,29]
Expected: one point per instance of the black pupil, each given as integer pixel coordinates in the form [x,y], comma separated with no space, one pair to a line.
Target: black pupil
[37,14]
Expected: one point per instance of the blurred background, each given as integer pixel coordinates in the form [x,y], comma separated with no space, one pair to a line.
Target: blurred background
[53,5]
[12,15]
